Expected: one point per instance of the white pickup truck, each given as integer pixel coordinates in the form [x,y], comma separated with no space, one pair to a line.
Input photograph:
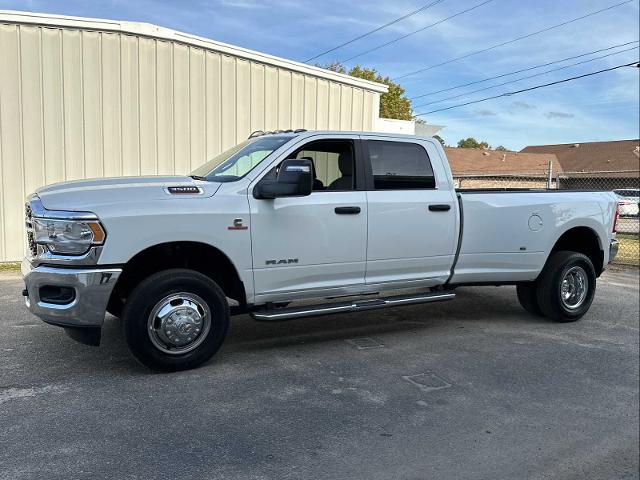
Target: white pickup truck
[285,217]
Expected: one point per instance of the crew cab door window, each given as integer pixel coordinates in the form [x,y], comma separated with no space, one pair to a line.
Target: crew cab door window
[400,166]
[334,164]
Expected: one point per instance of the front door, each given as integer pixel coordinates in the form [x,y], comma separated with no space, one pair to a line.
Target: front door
[412,213]
[315,245]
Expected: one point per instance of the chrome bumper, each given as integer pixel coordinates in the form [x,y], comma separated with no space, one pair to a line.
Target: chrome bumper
[613,249]
[91,286]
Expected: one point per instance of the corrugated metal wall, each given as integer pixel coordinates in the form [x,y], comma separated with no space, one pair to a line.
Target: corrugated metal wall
[77,103]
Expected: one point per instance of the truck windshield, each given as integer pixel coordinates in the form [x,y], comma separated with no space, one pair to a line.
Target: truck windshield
[236,162]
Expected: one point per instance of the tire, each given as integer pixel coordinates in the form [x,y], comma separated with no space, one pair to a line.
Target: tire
[175,320]
[565,265]
[115,307]
[528,297]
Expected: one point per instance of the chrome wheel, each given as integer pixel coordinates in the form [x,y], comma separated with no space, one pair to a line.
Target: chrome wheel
[574,287]
[179,323]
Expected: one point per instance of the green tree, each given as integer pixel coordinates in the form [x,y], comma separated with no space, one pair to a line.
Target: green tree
[440,139]
[472,143]
[500,148]
[394,103]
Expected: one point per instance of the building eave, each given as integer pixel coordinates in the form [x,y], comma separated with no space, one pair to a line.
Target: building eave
[161,33]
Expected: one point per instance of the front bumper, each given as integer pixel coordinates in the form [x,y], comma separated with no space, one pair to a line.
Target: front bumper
[613,249]
[92,288]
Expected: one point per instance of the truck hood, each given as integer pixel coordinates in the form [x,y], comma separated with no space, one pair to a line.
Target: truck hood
[85,195]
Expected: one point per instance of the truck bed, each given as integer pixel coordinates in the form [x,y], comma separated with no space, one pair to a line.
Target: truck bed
[506,234]
[517,190]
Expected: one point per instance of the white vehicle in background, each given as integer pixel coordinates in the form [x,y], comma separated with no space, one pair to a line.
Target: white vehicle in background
[628,201]
[293,216]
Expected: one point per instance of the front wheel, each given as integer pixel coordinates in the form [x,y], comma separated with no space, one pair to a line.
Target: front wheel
[566,286]
[175,320]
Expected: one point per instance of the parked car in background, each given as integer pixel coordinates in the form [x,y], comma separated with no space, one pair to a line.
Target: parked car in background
[628,201]
[295,216]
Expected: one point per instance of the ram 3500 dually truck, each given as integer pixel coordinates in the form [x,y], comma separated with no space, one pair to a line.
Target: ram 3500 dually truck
[285,217]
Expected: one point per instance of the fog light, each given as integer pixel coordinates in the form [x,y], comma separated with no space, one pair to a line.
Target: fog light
[57,295]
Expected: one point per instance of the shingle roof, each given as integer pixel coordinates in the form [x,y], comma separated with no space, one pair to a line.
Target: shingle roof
[593,156]
[468,161]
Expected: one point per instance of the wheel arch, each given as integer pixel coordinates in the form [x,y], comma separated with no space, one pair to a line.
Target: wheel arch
[198,256]
[583,240]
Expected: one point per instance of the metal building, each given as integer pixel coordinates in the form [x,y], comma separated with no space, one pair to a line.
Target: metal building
[83,97]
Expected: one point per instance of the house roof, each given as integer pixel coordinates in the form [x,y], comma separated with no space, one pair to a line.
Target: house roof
[469,161]
[593,156]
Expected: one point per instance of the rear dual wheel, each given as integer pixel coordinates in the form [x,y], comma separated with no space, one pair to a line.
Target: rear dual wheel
[564,290]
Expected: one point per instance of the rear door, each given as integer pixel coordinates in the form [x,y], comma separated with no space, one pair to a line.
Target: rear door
[412,211]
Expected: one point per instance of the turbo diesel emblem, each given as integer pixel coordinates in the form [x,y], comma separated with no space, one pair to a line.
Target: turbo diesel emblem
[283,261]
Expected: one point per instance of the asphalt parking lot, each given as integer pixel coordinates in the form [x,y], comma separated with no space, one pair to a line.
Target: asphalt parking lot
[469,389]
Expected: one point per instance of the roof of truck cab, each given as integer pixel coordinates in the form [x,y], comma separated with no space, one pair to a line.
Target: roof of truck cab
[311,133]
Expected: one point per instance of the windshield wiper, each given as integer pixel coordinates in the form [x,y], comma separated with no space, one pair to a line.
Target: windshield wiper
[199,177]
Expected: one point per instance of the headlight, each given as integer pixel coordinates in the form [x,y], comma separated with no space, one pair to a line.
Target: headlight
[67,237]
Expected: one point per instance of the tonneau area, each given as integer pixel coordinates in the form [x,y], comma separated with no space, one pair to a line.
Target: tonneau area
[508,234]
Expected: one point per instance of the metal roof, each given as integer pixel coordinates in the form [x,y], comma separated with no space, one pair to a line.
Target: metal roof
[161,33]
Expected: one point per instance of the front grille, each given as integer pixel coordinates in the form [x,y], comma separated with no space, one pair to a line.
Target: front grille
[31,240]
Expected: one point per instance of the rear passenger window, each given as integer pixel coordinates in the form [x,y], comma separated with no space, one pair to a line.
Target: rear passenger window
[400,166]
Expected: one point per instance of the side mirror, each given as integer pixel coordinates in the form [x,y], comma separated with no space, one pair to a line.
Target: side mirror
[295,179]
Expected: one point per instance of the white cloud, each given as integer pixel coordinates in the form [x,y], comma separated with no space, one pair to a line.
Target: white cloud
[553,114]
[241,3]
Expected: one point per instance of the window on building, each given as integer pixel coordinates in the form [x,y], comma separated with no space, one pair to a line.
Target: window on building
[400,166]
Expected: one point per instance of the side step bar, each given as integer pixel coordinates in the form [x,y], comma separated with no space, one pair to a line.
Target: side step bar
[351,306]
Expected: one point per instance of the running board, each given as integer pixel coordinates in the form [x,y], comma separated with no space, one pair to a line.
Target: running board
[351,306]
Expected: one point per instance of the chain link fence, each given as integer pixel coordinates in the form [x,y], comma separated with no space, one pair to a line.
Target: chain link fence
[624,183]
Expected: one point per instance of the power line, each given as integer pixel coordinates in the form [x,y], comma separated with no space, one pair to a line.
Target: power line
[523,78]
[502,44]
[522,70]
[508,94]
[366,34]
[417,31]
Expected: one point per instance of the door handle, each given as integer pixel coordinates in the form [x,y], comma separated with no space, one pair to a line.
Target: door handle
[347,210]
[441,207]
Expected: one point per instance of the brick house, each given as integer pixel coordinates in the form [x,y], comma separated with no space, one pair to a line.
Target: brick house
[480,168]
[602,165]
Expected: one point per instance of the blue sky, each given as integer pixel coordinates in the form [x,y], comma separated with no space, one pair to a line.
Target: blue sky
[603,107]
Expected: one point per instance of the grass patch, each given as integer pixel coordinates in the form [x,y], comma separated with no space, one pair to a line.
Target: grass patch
[629,251]
[10,266]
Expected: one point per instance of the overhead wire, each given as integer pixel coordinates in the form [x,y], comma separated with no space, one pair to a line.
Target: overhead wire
[402,37]
[523,78]
[377,29]
[535,87]
[468,84]
[508,42]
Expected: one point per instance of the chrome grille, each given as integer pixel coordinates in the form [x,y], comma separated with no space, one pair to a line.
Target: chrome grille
[31,241]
